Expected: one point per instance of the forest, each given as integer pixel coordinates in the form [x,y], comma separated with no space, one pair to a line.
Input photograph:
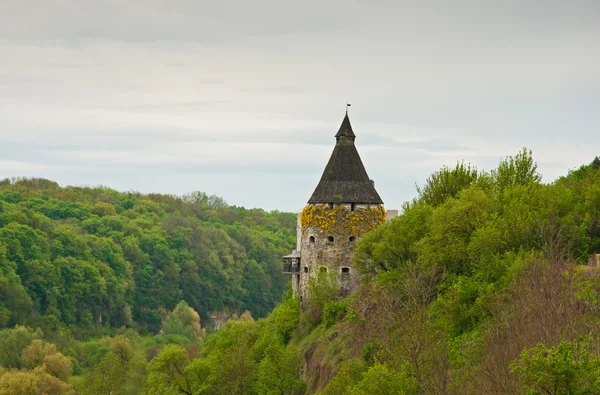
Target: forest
[487,283]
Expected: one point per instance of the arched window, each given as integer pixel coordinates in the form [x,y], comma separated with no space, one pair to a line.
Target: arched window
[305,269]
[311,239]
[323,269]
[330,239]
[351,238]
[345,270]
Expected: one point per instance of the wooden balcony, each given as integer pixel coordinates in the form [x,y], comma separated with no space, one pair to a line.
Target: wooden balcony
[291,263]
[291,268]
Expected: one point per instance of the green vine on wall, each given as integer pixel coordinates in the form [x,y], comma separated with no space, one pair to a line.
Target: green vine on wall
[341,220]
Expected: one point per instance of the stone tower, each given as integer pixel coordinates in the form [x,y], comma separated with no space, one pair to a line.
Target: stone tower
[344,206]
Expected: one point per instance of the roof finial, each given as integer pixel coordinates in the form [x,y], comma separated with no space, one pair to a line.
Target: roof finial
[347,105]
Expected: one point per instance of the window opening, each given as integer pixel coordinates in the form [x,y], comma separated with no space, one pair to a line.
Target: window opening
[345,270]
[330,239]
[351,238]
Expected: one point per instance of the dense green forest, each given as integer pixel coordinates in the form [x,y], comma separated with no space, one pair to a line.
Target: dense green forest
[485,284]
[78,257]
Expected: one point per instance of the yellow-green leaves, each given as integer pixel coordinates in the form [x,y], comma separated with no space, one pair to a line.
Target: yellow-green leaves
[341,220]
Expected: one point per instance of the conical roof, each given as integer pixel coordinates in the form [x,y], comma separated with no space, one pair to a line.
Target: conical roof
[346,129]
[345,179]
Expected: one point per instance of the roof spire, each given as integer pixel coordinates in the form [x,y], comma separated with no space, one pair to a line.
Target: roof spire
[347,105]
[345,177]
[345,133]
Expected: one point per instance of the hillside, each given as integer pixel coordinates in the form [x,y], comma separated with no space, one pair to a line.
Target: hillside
[487,283]
[87,257]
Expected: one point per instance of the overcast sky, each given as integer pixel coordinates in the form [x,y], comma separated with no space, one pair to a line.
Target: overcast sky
[243,98]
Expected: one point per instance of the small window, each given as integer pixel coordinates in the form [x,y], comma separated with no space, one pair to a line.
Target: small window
[352,206]
[311,239]
[330,239]
[323,269]
[305,269]
[330,205]
[351,238]
[345,270]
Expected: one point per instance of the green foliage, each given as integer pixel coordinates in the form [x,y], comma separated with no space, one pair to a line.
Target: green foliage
[184,321]
[243,357]
[569,368]
[451,227]
[15,303]
[322,289]
[12,343]
[279,371]
[446,183]
[334,311]
[481,267]
[392,245]
[518,170]
[480,238]
[381,380]
[167,372]
[348,376]
[286,317]
[92,257]
[29,382]
[102,209]
[356,379]
[39,353]
[105,378]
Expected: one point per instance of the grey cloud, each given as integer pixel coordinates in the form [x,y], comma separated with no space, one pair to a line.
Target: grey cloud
[183,95]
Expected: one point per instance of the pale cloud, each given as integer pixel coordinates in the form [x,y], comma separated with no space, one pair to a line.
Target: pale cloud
[22,166]
[243,99]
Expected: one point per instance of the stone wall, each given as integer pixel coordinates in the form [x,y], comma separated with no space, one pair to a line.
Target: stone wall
[332,251]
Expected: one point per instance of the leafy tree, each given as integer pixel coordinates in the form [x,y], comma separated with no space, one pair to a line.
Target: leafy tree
[30,382]
[451,227]
[322,289]
[350,373]
[167,372]
[381,380]
[89,257]
[58,366]
[446,183]
[286,317]
[393,244]
[15,303]
[518,170]
[569,368]
[107,377]
[34,354]
[102,209]
[279,371]
[183,320]
[13,342]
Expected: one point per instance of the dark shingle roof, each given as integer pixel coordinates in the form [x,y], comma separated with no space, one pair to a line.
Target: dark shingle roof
[345,129]
[345,179]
